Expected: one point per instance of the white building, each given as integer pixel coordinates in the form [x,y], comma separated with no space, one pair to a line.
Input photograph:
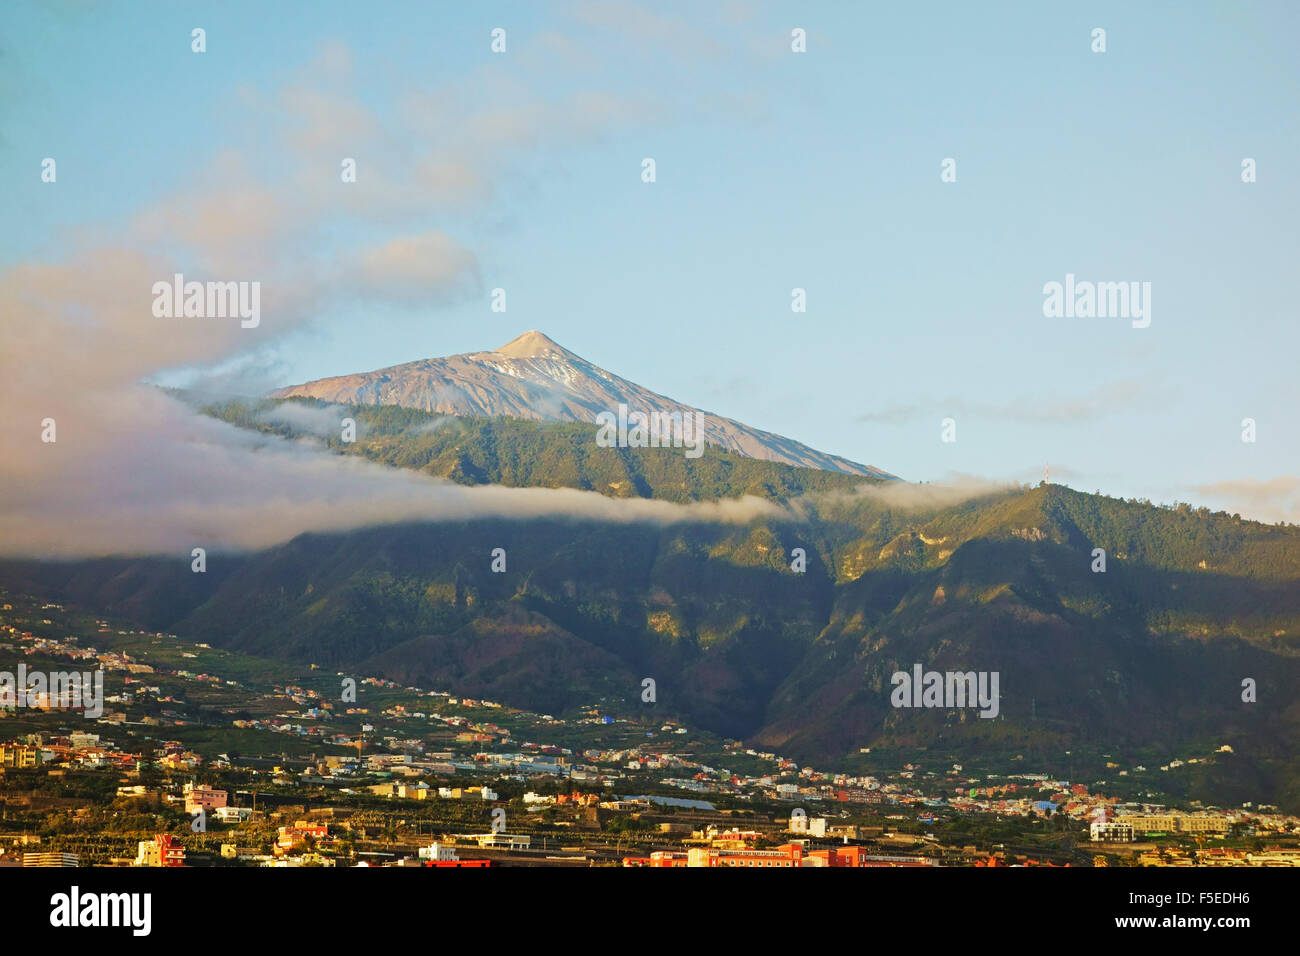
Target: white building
[1111,832]
[438,853]
[802,823]
[509,841]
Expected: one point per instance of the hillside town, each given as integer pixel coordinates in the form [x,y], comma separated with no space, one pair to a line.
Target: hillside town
[200,757]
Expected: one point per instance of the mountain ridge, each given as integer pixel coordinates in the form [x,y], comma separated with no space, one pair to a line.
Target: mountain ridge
[532,377]
[1147,657]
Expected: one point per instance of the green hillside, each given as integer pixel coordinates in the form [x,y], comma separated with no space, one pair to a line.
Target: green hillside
[516,453]
[1147,657]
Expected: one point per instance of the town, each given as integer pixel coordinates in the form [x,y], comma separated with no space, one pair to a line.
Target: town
[205,757]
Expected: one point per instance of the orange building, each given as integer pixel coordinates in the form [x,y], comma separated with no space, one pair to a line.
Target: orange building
[859,856]
[786,855]
[162,850]
[295,836]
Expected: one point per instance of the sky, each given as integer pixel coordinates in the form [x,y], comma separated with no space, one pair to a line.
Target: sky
[774,170]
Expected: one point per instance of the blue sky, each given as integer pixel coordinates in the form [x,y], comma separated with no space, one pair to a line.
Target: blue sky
[775,170]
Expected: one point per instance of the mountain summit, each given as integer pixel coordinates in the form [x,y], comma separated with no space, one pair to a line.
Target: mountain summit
[534,344]
[533,377]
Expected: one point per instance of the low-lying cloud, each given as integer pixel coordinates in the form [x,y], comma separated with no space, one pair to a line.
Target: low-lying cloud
[920,496]
[323,421]
[149,476]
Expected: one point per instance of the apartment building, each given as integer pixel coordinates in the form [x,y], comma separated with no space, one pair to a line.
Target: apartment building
[203,798]
[19,756]
[1149,822]
[1111,831]
[786,855]
[51,859]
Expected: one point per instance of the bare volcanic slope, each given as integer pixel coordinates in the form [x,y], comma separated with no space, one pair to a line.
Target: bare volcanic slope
[532,377]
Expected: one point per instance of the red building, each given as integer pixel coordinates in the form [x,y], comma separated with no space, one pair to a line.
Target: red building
[457,862]
[162,850]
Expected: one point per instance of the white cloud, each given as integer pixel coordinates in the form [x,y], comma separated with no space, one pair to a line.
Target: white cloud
[1270,500]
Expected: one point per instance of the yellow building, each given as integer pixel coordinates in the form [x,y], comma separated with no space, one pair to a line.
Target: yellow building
[1149,822]
[1202,823]
[1174,822]
[19,755]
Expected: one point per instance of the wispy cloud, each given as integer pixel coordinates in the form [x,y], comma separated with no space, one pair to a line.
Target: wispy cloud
[1274,499]
[650,28]
[323,421]
[920,496]
[417,267]
[1031,410]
